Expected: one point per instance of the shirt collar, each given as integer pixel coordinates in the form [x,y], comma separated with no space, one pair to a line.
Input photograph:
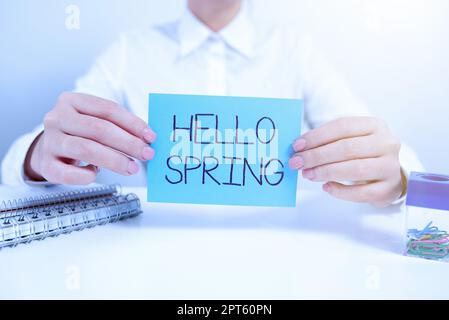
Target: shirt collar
[192,32]
[239,34]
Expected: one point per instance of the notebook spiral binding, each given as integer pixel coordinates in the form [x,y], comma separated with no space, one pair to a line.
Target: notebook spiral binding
[36,218]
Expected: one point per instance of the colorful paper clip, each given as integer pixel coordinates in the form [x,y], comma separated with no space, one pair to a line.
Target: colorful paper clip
[429,243]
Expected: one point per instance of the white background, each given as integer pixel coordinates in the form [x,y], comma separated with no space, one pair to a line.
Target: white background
[395,54]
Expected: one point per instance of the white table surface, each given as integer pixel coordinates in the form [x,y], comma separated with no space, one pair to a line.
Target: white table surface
[324,248]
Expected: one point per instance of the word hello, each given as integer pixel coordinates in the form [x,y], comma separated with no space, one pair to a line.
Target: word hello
[226,169]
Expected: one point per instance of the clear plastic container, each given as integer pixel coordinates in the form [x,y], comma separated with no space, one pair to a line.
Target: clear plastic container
[427,217]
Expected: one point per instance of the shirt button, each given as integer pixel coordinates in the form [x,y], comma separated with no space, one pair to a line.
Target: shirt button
[216,45]
[214,38]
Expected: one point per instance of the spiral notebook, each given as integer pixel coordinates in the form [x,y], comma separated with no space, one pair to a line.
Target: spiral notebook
[53,213]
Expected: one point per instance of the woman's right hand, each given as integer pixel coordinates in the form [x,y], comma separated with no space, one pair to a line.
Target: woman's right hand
[92,130]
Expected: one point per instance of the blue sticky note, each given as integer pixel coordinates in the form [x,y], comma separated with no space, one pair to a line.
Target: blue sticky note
[223,150]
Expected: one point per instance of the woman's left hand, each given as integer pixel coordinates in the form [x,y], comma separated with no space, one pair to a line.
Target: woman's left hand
[358,150]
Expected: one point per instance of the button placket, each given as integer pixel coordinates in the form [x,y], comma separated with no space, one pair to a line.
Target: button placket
[216,66]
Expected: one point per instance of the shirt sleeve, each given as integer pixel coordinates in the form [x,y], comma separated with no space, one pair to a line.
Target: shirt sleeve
[327,96]
[12,164]
[103,79]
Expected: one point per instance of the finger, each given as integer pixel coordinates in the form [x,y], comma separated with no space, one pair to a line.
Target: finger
[369,192]
[342,150]
[338,129]
[59,172]
[353,170]
[108,134]
[113,112]
[92,152]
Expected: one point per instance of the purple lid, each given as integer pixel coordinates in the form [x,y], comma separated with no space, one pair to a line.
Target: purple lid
[428,190]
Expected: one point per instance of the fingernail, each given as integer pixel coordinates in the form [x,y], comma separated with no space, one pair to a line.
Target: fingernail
[299,144]
[149,135]
[308,174]
[133,168]
[295,162]
[326,187]
[147,153]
